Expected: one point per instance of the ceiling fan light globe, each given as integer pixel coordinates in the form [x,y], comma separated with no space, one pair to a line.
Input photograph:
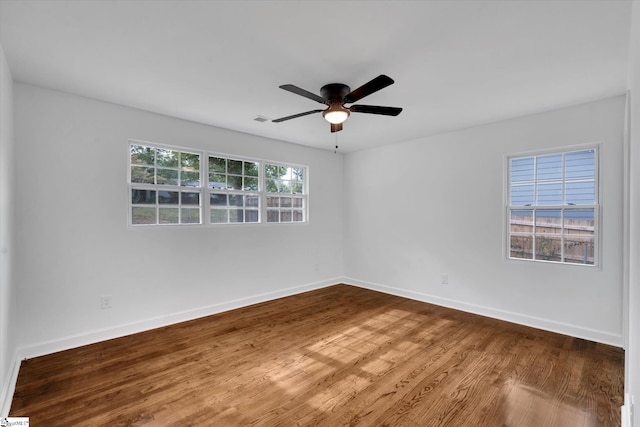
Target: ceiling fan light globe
[335,116]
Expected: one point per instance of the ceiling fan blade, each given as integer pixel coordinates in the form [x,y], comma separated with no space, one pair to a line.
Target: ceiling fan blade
[336,127]
[374,109]
[368,88]
[295,116]
[302,92]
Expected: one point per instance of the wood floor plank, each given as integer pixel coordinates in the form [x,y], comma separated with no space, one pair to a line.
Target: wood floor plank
[339,356]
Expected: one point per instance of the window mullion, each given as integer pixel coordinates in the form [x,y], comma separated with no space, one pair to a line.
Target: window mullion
[535,186]
[204,189]
[562,231]
[534,216]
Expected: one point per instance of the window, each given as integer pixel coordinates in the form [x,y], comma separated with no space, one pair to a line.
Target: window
[285,193]
[234,186]
[164,186]
[174,186]
[553,207]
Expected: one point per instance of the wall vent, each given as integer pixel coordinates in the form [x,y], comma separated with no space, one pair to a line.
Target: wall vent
[261,119]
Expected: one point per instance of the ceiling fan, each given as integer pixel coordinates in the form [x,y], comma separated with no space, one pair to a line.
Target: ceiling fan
[336,95]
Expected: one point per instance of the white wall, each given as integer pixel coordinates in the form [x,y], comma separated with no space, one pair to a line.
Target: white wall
[7,284]
[433,206]
[632,361]
[73,244]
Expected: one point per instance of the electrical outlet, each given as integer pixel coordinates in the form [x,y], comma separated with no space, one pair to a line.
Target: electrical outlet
[444,279]
[105,302]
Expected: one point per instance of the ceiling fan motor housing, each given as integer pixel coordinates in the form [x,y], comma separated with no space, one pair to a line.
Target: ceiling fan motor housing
[334,92]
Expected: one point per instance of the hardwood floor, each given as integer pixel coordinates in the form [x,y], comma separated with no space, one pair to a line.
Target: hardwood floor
[339,356]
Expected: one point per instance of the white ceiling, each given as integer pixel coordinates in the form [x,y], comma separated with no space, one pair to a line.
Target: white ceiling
[456,63]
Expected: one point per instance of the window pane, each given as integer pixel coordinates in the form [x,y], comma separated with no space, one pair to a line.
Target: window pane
[521,222]
[218,216]
[298,174]
[273,202]
[296,188]
[549,167]
[522,169]
[143,197]
[579,229]
[234,167]
[521,247]
[272,186]
[236,200]
[549,221]
[217,181]
[140,215]
[284,187]
[297,202]
[190,162]
[190,216]
[168,197]
[190,179]
[236,215]
[522,195]
[285,202]
[580,164]
[251,184]
[298,216]
[252,201]
[141,155]
[580,193]
[168,215]
[251,216]
[579,221]
[548,248]
[234,182]
[579,249]
[217,164]
[285,216]
[271,171]
[190,198]
[251,168]
[167,176]
[142,175]
[273,216]
[218,200]
[550,194]
[167,158]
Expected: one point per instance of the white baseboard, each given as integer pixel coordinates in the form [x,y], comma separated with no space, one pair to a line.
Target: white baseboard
[534,322]
[48,347]
[10,387]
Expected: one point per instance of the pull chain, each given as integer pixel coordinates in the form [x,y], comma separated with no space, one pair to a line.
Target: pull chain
[336,150]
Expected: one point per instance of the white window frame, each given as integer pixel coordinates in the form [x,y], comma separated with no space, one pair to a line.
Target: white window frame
[284,210]
[245,194]
[563,207]
[158,188]
[206,190]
